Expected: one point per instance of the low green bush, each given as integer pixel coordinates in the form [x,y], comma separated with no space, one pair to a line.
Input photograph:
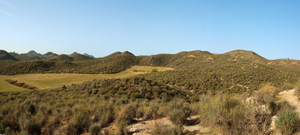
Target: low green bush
[104,114]
[179,111]
[272,106]
[287,122]
[95,129]
[81,121]
[121,130]
[154,70]
[128,113]
[7,130]
[152,112]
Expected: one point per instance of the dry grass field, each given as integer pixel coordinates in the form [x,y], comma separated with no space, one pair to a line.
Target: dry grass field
[49,81]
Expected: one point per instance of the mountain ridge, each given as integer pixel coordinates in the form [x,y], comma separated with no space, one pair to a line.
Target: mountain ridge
[33,55]
[184,59]
[199,71]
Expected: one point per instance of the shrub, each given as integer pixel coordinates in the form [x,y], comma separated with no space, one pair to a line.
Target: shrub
[232,115]
[152,112]
[24,133]
[287,121]
[52,124]
[7,130]
[25,123]
[104,114]
[154,70]
[128,113]
[81,121]
[166,130]
[126,116]
[31,108]
[272,106]
[179,112]
[94,91]
[63,87]
[11,121]
[32,126]
[122,124]
[95,129]
[177,116]
[227,113]
[287,86]
[265,94]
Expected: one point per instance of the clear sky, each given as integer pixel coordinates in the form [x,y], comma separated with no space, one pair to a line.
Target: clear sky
[270,28]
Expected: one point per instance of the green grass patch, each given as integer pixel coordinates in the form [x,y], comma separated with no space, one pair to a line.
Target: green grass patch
[50,81]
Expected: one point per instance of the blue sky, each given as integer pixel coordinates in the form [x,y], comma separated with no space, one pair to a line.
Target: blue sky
[271,28]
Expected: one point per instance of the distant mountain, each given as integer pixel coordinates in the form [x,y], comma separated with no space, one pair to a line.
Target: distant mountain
[32,53]
[49,55]
[64,64]
[85,54]
[79,57]
[6,56]
[62,57]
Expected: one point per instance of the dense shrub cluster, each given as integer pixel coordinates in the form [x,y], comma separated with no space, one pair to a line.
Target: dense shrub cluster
[232,76]
[86,107]
[227,113]
[93,106]
[133,88]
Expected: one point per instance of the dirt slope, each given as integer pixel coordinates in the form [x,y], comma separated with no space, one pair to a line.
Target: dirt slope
[291,99]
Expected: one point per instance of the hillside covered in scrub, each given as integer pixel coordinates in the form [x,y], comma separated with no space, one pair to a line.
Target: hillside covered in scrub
[198,71]
[109,64]
[233,93]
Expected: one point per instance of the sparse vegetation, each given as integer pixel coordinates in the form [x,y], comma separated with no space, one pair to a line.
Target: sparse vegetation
[232,93]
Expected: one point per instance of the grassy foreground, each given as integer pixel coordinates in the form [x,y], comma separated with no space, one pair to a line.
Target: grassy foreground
[49,81]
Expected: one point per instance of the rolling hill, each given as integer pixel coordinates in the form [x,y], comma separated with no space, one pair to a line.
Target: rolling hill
[199,71]
[62,57]
[80,57]
[206,85]
[6,56]
[109,64]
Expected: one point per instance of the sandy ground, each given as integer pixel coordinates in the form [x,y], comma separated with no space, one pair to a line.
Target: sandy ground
[291,99]
[287,95]
[146,127]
